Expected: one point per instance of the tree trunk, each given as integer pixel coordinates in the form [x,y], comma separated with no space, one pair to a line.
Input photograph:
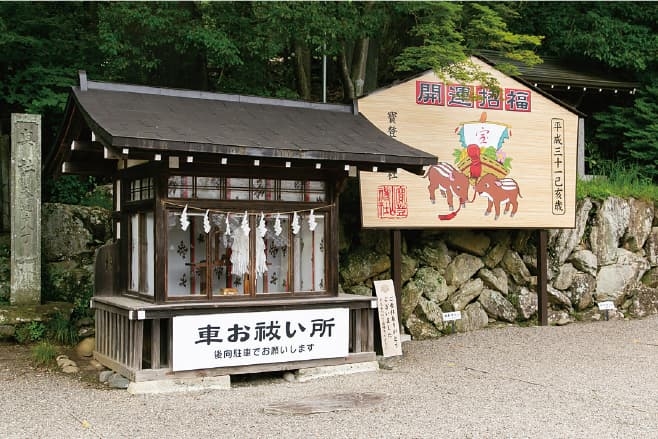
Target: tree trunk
[303,65]
[372,67]
[359,64]
[348,85]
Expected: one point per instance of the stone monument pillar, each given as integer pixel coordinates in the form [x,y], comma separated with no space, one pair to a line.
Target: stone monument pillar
[25,185]
[5,166]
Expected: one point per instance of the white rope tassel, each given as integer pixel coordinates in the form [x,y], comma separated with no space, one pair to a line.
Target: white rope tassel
[240,248]
[311,221]
[295,224]
[206,222]
[184,222]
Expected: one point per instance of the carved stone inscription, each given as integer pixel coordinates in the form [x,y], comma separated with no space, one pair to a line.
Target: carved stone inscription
[25,209]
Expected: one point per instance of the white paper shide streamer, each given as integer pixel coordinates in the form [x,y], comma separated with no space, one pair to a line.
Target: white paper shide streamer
[228,227]
[261,257]
[311,221]
[206,222]
[277,225]
[184,222]
[240,248]
[295,224]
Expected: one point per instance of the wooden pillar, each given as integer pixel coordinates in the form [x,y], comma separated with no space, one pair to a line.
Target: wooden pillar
[542,279]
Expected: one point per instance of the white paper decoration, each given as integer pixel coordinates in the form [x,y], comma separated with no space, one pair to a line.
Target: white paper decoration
[240,248]
[245,224]
[295,224]
[261,257]
[206,222]
[184,222]
[311,221]
[262,229]
[277,225]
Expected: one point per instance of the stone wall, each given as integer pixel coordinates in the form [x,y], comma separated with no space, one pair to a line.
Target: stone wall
[70,236]
[491,275]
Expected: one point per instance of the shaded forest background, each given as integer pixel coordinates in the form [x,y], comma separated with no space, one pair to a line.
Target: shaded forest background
[276,49]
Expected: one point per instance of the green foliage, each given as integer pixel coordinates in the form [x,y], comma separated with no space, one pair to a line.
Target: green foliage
[29,332]
[633,132]
[98,197]
[59,284]
[71,189]
[617,34]
[68,189]
[43,45]
[44,354]
[619,180]
[61,330]
[447,33]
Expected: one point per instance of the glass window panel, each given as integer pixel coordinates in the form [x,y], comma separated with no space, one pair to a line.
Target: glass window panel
[309,256]
[117,198]
[277,255]
[178,257]
[316,191]
[211,188]
[146,189]
[237,188]
[261,189]
[134,190]
[133,282]
[198,265]
[292,190]
[180,186]
[224,282]
[150,255]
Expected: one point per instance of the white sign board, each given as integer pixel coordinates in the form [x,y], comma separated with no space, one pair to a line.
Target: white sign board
[388,318]
[237,339]
[608,305]
[452,316]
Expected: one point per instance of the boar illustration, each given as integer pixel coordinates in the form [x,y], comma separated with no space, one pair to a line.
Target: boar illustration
[450,181]
[499,192]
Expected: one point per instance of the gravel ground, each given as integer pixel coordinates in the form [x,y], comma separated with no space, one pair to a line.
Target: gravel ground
[577,381]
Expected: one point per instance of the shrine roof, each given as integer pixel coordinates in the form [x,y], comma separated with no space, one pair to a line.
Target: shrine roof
[149,120]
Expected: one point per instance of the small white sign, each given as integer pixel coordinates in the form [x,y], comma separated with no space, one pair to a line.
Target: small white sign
[388,318]
[603,306]
[236,339]
[452,316]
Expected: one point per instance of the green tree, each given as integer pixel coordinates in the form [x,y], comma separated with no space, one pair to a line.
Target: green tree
[43,45]
[618,38]
[446,34]
[633,131]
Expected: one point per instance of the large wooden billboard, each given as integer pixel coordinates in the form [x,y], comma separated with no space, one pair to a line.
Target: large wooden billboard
[506,160]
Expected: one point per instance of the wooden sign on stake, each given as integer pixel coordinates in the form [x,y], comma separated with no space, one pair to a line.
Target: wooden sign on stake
[388,318]
[451,317]
[606,306]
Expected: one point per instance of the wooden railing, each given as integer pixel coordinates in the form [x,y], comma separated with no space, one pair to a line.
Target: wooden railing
[137,343]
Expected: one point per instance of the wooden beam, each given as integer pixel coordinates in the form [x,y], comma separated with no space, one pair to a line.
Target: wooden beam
[86,146]
[105,168]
